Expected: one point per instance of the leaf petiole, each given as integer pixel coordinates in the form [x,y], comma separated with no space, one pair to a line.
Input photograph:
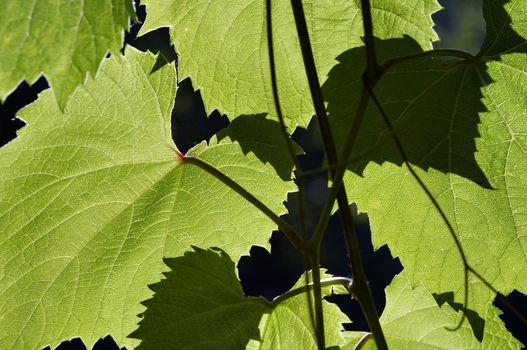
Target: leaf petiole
[287,229]
[327,282]
[432,53]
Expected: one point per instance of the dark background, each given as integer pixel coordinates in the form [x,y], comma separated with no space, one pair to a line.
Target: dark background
[265,273]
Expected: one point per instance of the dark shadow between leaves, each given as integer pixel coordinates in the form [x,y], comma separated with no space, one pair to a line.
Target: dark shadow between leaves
[22,96]
[189,122]
[510,317]
[106,343]
[199,304]
[269,274]
[380,266]
[476,322]
[157,41]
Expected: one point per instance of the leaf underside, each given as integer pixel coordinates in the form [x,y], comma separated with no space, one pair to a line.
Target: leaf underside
[412,320]
[92,199]
[464,131]
[93,194]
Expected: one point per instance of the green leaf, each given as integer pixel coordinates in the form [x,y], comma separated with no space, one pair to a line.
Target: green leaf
[463,127]
[288,326]
[223,46]
[262,136]
[63,40]
[200,305]
[412,320]
[92,198]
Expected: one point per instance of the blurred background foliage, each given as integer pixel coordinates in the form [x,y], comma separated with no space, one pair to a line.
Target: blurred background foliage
[460,25]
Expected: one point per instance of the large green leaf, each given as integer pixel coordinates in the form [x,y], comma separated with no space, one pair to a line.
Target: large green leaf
[63,40]
[223,46]
[413,320]
[463,127]
[201,305]
[92,199]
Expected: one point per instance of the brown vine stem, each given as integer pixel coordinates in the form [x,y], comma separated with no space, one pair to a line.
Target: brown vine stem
[286,229]
[361,289]
[289,143]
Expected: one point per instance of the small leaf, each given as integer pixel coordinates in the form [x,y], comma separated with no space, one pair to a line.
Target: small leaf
[63,40]
[413,320]
[200,304]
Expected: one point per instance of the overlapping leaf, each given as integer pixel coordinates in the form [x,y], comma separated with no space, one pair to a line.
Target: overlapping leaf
[62,39]
[463,126]
[223,46]
[413,320]
[92,199]
[201,305]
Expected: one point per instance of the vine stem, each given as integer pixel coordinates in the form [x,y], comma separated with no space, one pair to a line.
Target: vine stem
[432,53]
[286,229]
[317,295]
[287,139]
[360,286]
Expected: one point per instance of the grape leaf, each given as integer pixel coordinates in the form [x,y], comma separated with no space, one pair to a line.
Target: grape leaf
[62,39]
[413,320]
[200,305]
[475,171]
[92,198]
[223,46]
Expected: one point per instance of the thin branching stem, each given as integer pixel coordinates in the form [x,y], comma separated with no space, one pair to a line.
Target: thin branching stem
[274,84]
[371,57]
[338,173]
[432,53]
[429,194]
[327,139]
[360,280]
[317,294]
